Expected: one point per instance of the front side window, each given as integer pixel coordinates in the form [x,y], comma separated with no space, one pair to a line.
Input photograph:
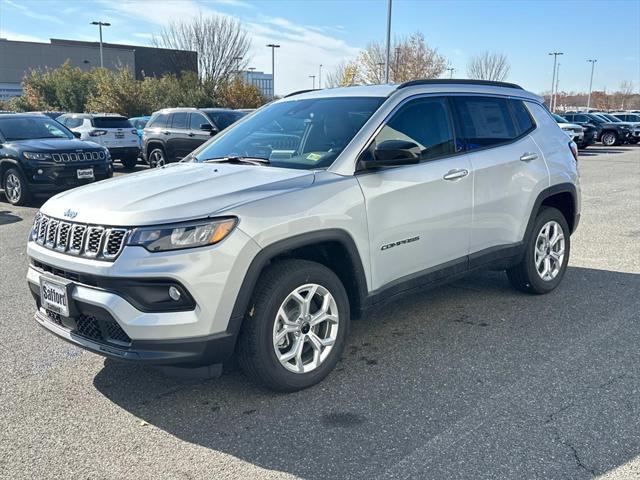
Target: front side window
[426,123]
[159,121]
[305,134]
[485,121]
[15,128]
[197,120]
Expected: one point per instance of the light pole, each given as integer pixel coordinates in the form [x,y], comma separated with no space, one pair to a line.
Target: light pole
[593,65]
[251,69]
[386,68]
[100,25]
[451,70]
[553,79]
[238,60]
[320,77]
[555,98]
[313,77]
[273,47]
[381,65]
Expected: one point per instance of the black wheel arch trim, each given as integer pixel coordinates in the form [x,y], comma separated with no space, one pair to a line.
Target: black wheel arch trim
[280,247]
[6,163]
[548,193]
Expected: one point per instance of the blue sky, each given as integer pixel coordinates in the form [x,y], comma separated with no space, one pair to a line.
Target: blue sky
[314,32]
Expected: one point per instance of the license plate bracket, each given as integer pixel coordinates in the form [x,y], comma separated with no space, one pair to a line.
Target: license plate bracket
[55,295]
[85,173]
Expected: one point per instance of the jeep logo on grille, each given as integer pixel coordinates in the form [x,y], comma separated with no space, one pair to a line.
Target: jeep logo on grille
[70,213]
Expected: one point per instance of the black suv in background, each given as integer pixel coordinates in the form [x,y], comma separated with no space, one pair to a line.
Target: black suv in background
[173,133]
[609,133]
[40,155]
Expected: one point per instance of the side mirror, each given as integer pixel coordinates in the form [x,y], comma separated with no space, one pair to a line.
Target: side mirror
[391,153]
[207,127]
[77,134]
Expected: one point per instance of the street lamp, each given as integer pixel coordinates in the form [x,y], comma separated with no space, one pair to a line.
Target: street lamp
[273,47]
[451,70]
[237,59]
[313,77]
[386,68]
[555,98]
[553,79]
[381,65]
[320,77]
[100,25]
[593,65]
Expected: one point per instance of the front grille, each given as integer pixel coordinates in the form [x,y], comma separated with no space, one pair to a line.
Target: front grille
[79,156]
[92,241]
[101,330]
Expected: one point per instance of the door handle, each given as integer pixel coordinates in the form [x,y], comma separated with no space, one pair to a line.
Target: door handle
[528,156]
[191,134]
[456,174]
[166,132]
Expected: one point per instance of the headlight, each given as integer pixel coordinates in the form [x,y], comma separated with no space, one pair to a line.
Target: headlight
[184,235]
[37,156]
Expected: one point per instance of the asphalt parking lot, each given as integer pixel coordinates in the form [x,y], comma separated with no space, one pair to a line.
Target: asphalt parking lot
[471,380]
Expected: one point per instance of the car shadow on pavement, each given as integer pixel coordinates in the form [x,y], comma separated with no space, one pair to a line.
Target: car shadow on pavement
[600,151]
[468,380]
[7,217]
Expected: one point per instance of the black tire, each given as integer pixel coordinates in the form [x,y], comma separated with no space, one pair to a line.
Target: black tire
[610,139]
[525,276]
[157,157]
[256,353]
[23,197]
[129,163]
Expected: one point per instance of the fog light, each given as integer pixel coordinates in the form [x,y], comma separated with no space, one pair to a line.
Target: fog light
[174,293]
[40,171]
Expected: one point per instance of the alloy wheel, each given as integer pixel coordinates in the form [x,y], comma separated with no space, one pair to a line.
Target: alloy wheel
[306,328]
[609,139]
[549,251]
[13,187]
[157,159]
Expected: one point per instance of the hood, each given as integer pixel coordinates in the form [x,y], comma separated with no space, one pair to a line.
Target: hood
[180,191]
[53,145]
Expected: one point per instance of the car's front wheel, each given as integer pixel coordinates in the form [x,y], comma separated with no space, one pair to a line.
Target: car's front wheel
[15,187]
[157,158]
[546,256]
[610,139]
[296,328]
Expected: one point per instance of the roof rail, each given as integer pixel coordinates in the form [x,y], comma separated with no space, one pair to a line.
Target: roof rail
[299,92]
[458,81]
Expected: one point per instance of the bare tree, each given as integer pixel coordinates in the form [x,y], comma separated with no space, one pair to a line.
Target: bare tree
[624,93]
[344,75]
[221,42]
[488,66]
[411,59]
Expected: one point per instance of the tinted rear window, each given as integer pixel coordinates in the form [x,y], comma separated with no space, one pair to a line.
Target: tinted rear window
[179,120]
[485,121]
[111,122]
[522,117]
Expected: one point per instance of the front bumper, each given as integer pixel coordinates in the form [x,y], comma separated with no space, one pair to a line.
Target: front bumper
[202,335]
[58,177]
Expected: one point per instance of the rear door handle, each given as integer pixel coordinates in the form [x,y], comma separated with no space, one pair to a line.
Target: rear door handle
[456,174]
[191,134]
[528,156]
[166,132]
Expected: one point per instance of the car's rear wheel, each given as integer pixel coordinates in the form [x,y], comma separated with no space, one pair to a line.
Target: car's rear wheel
[157,158]
[296,327]
[610,139]
[546,256]
[15,187]
[129,163]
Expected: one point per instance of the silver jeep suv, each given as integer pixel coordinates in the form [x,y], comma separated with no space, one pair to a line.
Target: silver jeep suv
[312,210]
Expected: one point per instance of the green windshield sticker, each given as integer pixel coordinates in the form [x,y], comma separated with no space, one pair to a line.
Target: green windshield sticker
[314,157]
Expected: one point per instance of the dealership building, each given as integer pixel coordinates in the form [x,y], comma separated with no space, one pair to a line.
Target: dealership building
[264,81]
[17,58]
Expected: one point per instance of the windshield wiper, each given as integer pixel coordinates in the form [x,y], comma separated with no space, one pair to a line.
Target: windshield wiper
[237,159]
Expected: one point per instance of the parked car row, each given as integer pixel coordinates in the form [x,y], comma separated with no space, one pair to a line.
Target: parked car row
[609,129]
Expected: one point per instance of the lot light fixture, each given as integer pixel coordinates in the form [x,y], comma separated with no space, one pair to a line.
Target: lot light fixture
[100,25]
[593,65]
[273,47]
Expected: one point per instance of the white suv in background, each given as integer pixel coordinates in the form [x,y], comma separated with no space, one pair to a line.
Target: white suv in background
[110,130]
[314,209]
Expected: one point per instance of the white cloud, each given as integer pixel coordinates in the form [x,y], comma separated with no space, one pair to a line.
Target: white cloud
[21,37]
[28,12]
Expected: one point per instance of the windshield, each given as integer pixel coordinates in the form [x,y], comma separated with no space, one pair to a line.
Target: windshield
[559,119]
[223,119]
[27,128]
[612,118]
[304,134]
[597,119]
